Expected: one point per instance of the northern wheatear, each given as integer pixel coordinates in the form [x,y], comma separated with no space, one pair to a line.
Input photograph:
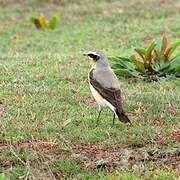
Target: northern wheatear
[104,86]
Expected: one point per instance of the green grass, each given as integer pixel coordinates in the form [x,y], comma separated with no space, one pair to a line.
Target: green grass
[46,110]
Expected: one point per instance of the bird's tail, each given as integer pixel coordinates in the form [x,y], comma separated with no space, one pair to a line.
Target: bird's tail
[122,117]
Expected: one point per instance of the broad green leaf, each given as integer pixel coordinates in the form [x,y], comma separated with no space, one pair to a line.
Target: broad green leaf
[138,64]
[149,53]
[155,65]
[150,48]
[53,22]
[164,67]
[135,73]
[173,47]
[177,69]
[113,58]
[141,52]
[176,56]
[123,67]
[118,65]
[174,64]
[123,72]
[128,65]
[121,62]
[124,59]
[126,73]
[118,58]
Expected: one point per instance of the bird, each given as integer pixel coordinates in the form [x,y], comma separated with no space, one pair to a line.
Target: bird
[104,86]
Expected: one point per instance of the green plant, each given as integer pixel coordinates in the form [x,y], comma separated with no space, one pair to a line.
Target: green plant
[41,22]
[165,62]
[53,22]
[150,61]
[124,67]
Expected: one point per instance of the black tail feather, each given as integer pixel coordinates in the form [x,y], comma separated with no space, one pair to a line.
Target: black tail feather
[122,117]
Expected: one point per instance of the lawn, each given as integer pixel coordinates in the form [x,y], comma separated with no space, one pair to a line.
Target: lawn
[47,114]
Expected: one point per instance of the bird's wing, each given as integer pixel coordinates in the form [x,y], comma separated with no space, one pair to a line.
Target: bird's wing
[112,95]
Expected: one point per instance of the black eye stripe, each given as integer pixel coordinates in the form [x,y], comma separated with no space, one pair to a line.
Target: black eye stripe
[93,56]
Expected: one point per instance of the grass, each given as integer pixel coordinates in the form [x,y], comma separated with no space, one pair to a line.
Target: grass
[47,114]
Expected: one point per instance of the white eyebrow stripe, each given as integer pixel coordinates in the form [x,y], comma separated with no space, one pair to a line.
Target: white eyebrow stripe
[93,52]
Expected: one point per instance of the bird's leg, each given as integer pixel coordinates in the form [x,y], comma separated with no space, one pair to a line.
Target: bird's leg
[114,115]
[100,110]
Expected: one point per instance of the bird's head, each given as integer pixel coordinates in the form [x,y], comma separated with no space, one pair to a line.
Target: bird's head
[97,58]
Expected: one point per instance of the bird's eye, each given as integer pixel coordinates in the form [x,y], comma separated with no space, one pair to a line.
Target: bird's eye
[93,56]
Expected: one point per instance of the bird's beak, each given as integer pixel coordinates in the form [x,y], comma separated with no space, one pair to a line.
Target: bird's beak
[85,54]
